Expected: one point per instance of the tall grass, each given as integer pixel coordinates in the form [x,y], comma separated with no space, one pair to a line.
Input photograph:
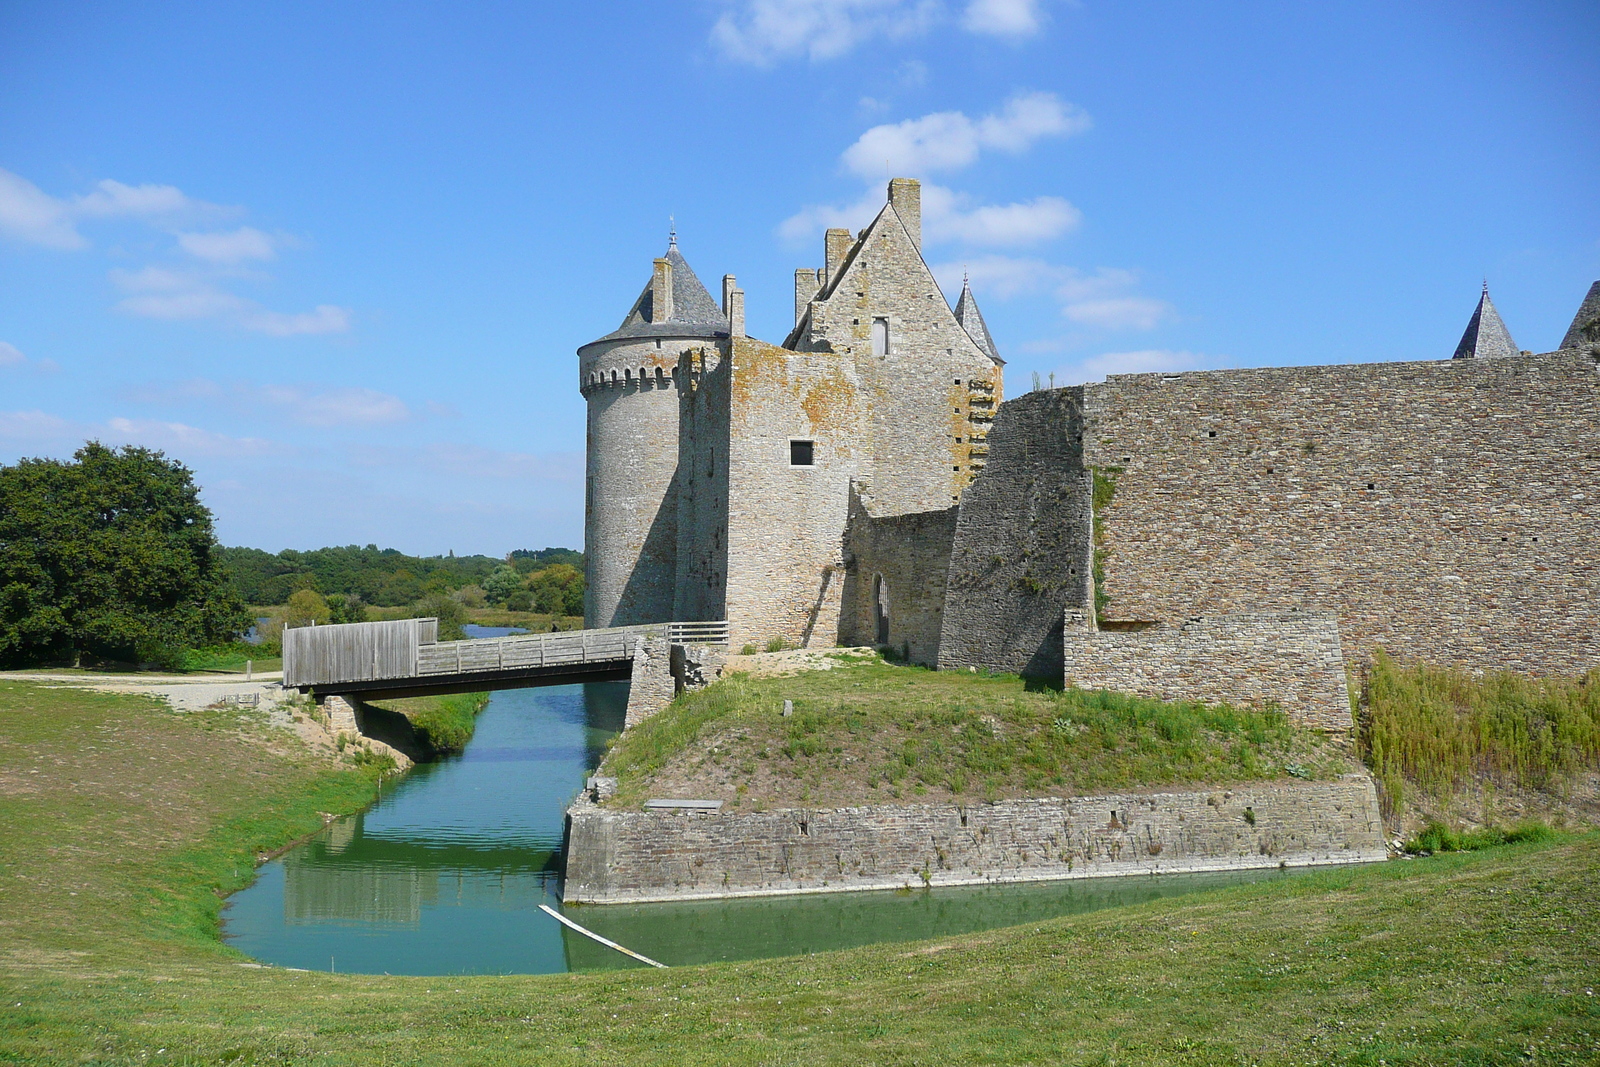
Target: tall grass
[1439,730]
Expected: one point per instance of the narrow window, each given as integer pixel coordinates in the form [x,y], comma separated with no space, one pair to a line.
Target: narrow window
[801,453]
[880,608]
[880,337]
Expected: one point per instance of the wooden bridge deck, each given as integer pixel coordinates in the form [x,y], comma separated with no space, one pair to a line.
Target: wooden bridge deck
[387,659]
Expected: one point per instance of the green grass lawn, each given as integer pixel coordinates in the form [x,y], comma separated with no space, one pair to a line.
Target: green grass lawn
[871,732]
[121,821]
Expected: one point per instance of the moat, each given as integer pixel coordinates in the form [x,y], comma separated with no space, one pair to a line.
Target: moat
[446,872]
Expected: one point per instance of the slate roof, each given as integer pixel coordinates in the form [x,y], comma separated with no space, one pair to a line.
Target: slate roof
[1585,328]
[1486,336]
[971,320]
[694,312]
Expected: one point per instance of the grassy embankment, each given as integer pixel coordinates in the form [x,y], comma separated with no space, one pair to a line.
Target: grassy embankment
[443,723]
[874,732]
[120,822]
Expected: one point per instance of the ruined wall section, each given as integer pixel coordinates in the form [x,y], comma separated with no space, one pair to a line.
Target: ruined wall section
[1292,660]
[910,556]
[930,399]
[785,521]
[615,856]
[1445,510]
[630,517]
[701,581]
[1023,549]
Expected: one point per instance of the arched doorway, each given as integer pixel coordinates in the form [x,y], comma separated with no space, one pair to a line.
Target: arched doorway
[880,608]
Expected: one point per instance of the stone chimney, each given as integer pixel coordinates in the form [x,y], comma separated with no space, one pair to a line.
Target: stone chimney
[661,291]
[836,244]
[733,305]
[905,195]
[806,284]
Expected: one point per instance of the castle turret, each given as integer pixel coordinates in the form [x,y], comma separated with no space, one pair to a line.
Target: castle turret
[971,320]
[1486,336]
[629,379]
[1585,328]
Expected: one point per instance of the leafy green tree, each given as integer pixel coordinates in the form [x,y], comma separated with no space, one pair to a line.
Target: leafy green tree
[307,608]
[558,589]
[111,554]
[342,608]
[447,610]
[501,584]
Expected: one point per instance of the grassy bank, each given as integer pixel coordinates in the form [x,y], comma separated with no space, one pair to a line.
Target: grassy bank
[443,723]
[872,732]
[1447,744]
[120,822]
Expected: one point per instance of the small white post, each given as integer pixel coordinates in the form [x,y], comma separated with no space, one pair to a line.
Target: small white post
[249,667]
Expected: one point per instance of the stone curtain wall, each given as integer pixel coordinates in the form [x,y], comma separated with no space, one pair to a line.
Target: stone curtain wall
[615,857]
[1023,545]
[1293,660]
[911,553]
[702,486]
[1447,510]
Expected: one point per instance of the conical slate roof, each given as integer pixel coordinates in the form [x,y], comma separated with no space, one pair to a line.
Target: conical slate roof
[1486,336]
[694,312]
[971,320]
[1585,328]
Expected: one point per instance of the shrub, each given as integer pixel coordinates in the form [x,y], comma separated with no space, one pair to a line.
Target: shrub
[446,609]
[306,608]
[1437,837]
[1438,729]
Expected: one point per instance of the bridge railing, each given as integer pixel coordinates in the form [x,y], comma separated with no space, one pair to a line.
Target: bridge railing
[407,648]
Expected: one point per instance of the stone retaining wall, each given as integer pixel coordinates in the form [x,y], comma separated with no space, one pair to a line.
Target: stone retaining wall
[616,856]
[1292,659]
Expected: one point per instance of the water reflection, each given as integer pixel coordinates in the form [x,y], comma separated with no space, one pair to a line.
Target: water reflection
[446,873]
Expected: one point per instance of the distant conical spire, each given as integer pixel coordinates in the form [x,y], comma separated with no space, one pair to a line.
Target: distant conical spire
[1585,328]
[971,320]
[1486,336]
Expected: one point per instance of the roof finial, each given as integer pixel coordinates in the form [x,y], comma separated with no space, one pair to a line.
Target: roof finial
[1486,287]
[672,233]
[964,284]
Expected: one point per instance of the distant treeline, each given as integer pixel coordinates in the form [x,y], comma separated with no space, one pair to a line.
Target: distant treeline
[385,577]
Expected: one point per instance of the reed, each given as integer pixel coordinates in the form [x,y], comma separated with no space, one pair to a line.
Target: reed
[1437,731]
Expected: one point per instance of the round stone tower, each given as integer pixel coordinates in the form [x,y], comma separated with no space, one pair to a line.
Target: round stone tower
[629,377]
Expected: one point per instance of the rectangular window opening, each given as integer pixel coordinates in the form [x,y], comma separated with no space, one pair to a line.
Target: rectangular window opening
[880,337]
[802,453]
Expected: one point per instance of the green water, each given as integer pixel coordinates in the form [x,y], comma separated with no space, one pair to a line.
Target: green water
[445,874]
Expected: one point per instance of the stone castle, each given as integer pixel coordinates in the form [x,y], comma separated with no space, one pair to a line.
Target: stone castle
[1239,534]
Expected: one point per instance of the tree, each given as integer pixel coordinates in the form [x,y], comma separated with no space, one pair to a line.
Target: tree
[111,554]
[343,608]
[447,610]
[558,589]
[306,608]
[501,584]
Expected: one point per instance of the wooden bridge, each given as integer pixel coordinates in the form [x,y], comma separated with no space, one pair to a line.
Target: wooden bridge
[382,660]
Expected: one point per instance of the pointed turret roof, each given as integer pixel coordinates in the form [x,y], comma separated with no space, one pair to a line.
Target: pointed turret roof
[971,320]
[694,312]
[1486,336]
[1585,328]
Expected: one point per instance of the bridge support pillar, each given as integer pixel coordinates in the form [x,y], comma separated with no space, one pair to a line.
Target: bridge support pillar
[652,686]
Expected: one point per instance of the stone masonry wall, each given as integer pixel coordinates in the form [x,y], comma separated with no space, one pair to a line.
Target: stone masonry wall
[1445,510]
[615,857]
[702,486]
[785,522]
[910,554]
[1292,659]
[1023,547]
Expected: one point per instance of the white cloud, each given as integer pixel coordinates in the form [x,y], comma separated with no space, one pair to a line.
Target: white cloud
[946,216]
[305,404]
[949,140]
[230,247]
[763,31]
[324,318]
[1146,361]
[35,427]
[1013,19]
[11,355]
[1104,299]
[174,295]
[183,440]
[29,214]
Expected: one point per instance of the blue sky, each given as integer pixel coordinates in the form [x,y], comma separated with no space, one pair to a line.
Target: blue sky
[338,258]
